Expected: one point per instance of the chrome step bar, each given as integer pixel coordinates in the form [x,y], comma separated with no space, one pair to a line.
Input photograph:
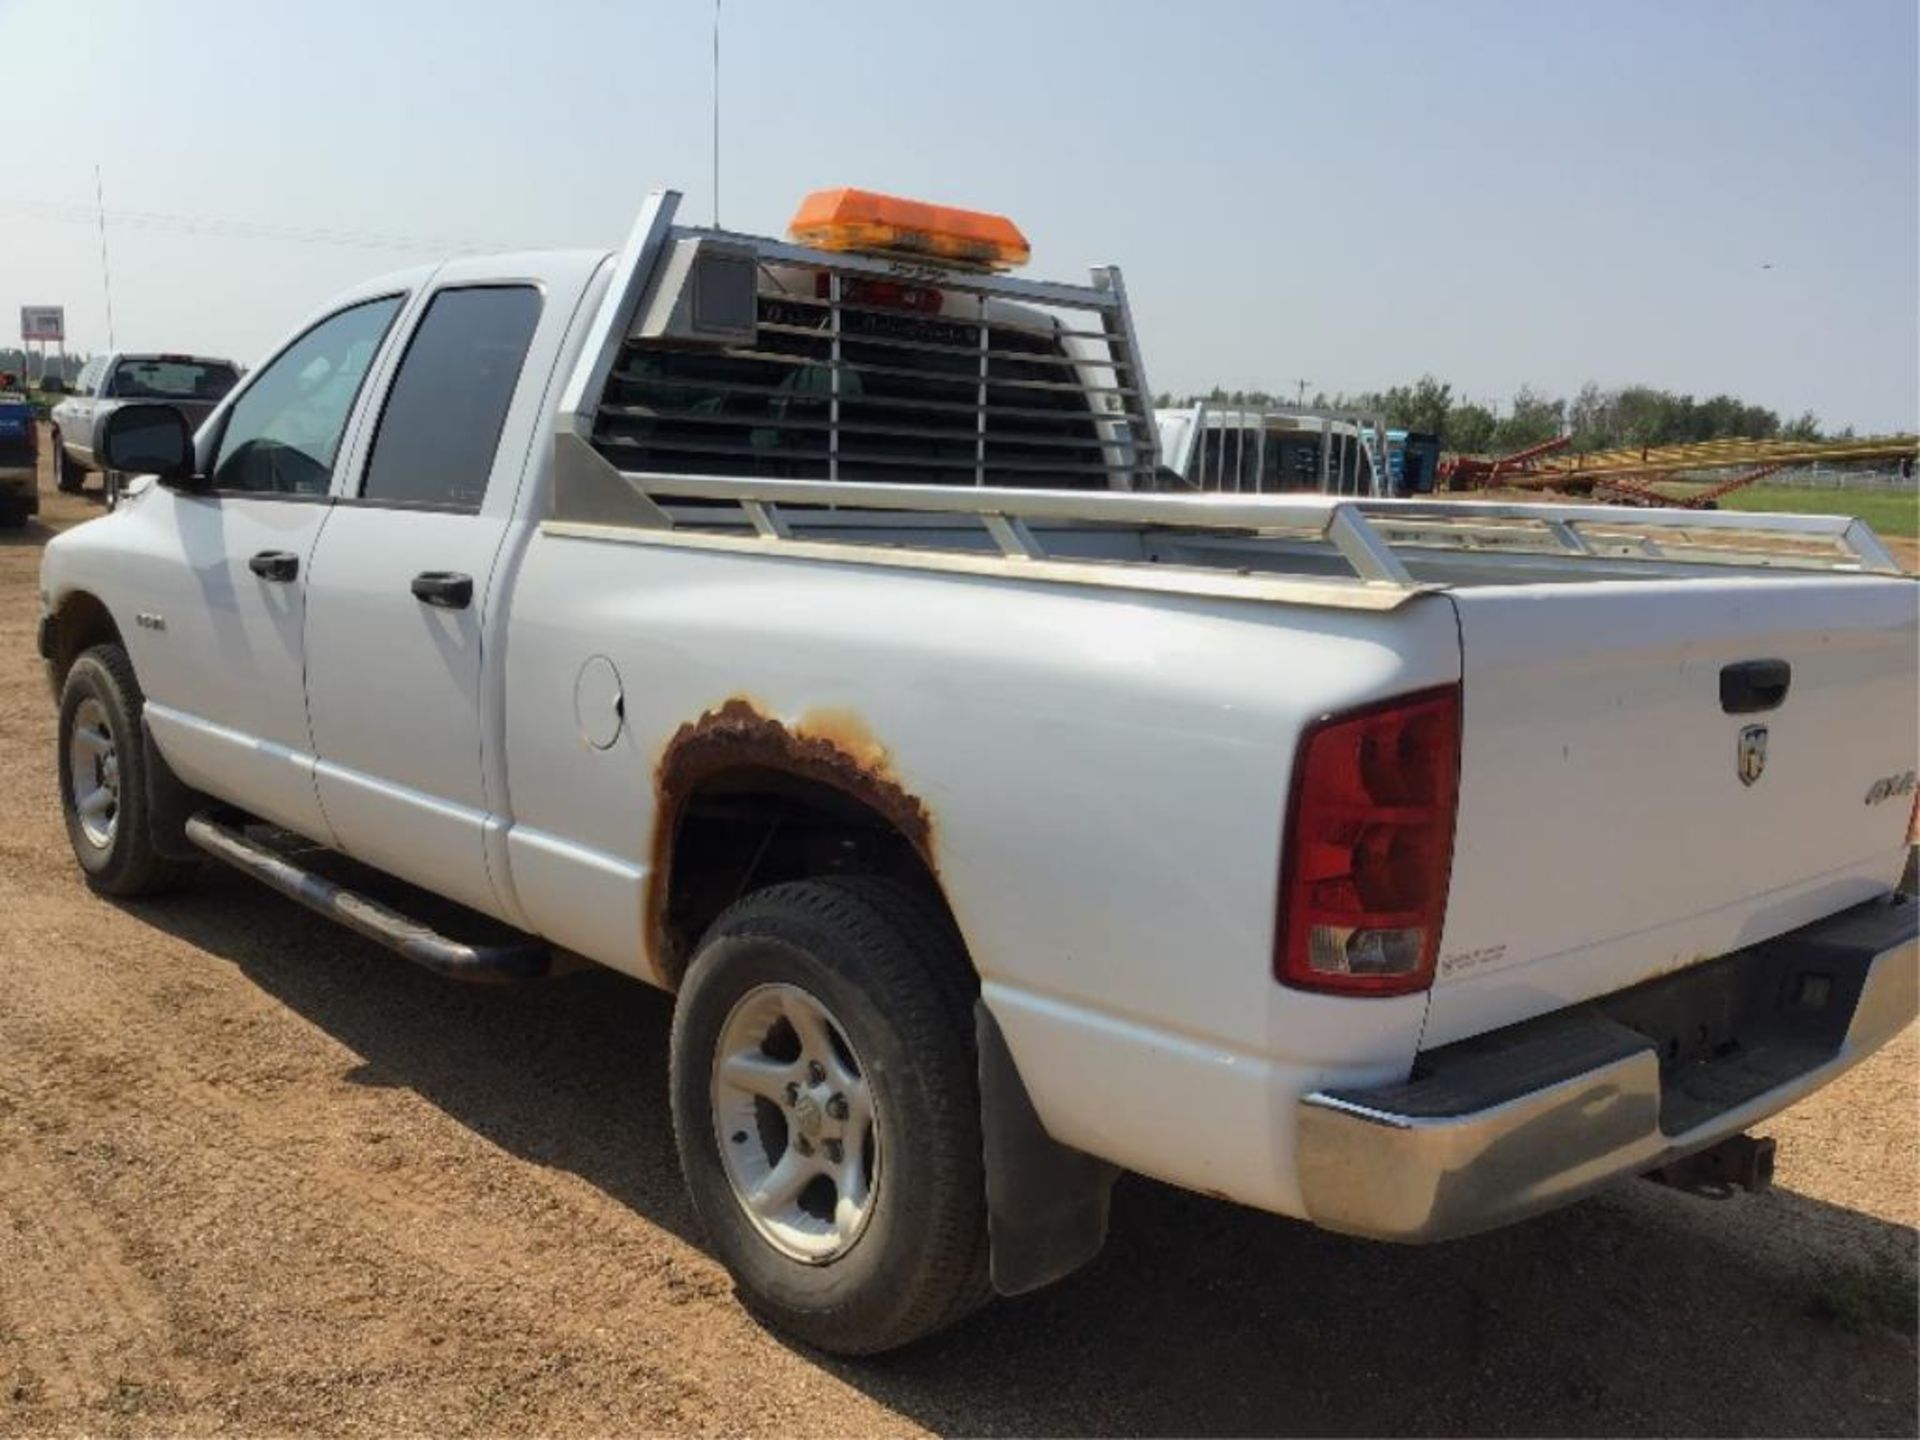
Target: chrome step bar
[525,959]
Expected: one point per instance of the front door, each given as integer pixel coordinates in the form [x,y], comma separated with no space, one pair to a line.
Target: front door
[221,590]
[400,603]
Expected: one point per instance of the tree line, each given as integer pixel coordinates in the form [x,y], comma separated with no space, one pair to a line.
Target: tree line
[1595,418]
[28,364]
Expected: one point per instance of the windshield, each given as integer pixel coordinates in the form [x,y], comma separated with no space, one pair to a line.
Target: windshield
[172,379]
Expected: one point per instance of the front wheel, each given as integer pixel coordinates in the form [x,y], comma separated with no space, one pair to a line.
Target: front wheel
[103,779]
[826,1106]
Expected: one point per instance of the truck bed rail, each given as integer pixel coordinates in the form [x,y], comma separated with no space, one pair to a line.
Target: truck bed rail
[1255,548]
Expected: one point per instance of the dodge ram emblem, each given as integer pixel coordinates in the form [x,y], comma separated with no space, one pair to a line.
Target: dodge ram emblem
[1752,758]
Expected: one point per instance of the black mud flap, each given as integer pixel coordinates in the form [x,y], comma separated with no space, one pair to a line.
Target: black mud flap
[171,802]
[1046,1202]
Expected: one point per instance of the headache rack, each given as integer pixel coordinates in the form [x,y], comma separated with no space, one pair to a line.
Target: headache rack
[730,354]
[630,468]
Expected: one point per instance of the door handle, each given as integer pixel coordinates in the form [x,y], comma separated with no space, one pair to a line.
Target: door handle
[447,589]
[278,566]
[1754,685]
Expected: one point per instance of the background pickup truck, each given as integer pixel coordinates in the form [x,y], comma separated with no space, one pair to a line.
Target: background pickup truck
[795,628]
[192,384]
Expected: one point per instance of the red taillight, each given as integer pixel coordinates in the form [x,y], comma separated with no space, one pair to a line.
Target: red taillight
[1369,847]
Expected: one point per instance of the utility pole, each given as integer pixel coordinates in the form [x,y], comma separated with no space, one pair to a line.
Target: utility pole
[716,114]
[1301,397]
[106,275]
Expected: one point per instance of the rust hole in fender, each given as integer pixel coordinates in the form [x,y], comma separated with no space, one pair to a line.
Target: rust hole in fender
[738,756]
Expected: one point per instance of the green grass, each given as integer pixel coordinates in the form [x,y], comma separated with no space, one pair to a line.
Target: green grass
[1857,1297]
[1890,512]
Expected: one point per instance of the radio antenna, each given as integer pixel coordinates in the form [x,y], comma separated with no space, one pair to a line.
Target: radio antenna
[106,275]
[716,114]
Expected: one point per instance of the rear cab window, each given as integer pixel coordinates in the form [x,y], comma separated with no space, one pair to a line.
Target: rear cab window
[911,404]
[440,427]
[171,377]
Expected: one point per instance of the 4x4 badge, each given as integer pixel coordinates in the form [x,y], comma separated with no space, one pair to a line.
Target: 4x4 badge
[1752,758]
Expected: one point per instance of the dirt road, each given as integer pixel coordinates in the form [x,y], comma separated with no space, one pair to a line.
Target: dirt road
[258,1176]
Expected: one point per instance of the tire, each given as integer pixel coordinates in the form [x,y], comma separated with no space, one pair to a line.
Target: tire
[100,752]
[69,476]
[884,967]
[12,517]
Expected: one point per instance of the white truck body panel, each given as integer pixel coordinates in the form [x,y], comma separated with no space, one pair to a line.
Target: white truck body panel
[397,721]
[1117,738]
[225,678]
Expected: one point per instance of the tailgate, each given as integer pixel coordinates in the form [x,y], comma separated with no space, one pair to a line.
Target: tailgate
[1617,822]
[194,411]
[17,445]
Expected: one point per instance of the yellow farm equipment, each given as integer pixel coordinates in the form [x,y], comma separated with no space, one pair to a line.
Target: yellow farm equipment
[1626,475]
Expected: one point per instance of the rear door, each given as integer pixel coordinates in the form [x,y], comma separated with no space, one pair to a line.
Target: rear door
[73,416]
[402,593]
[1656,772]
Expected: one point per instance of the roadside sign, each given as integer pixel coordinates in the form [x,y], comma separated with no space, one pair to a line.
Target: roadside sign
[43,322]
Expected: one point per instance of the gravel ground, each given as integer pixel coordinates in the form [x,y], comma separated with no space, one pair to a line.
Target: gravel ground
[258,1176]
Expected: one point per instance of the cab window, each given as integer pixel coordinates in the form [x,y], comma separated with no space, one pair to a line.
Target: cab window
[448,403]
[166,377]
[284,431]
[910,401]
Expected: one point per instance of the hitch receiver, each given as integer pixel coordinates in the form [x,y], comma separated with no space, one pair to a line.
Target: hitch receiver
[1743,1162]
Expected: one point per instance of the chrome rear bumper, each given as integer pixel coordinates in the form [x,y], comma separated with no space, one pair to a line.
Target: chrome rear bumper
[1522,1120]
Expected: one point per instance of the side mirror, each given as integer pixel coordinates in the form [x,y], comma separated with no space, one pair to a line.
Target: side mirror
[149,440]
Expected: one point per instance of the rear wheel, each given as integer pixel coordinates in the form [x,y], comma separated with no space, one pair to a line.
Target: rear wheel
[827,1111]
[13,516]
[103,780]
[69,475]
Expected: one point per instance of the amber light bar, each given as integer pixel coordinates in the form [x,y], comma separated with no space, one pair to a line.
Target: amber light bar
[867,223]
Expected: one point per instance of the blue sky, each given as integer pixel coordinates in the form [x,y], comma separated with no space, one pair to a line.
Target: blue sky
[1348,193]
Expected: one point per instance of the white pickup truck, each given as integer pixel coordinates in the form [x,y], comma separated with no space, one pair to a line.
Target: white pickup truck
[192,384]
[795,626]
